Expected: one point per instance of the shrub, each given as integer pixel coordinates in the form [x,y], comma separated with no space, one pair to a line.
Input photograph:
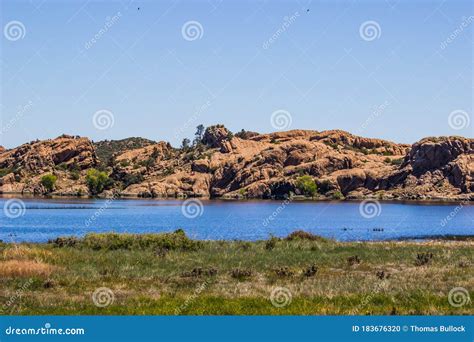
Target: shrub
[397,161]
[423,259]
[306,185]
[130,179]
[302,235]
[115,241]
[67,241]
[48,181]
[62,167]
[271,243]
[239,273]
[199,272]
[75,175]
[337,195]
[353,260]
[124,163]
[310,271]
[5,171]
[97,181]
[284,272]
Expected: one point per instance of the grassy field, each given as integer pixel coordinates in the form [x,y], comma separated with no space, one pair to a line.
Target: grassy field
[171,274]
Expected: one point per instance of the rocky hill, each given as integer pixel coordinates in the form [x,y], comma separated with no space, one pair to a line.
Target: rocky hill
[107,148]
[249,165]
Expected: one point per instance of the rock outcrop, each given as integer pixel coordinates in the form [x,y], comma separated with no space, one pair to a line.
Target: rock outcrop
[252,165]
[23,167]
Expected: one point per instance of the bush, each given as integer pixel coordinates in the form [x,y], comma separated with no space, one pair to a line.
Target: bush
[240,274]
[115,241]
[337,195]
[302,235]
[97,181]
[5,171]
[306,185]
[130,179]
[271,243]
[48,181]
[398,161]
[67,241]
[75,175]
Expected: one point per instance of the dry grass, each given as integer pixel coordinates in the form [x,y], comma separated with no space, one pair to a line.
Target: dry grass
[24,268]
[21,252]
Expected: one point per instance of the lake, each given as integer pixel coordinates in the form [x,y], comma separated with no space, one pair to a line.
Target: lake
[37,220]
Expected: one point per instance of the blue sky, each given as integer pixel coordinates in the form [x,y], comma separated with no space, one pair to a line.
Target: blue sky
[159,83]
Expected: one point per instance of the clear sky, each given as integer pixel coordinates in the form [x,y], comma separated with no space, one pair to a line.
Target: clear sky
[398,77]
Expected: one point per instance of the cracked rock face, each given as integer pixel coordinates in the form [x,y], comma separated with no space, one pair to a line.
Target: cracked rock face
[255,166]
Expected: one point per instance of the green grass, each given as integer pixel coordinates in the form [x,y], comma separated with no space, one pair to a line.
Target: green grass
[172,274]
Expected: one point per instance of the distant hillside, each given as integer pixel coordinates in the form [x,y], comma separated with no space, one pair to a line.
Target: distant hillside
[106,148]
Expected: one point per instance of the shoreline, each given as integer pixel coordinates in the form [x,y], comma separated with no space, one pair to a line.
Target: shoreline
[417,240]
[435,201]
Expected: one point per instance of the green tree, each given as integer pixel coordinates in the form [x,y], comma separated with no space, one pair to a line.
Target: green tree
[306,185]
[199,134]
[185,144]
[48,181]
[97,181]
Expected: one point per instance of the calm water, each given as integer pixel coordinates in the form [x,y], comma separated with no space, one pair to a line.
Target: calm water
[43,219]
